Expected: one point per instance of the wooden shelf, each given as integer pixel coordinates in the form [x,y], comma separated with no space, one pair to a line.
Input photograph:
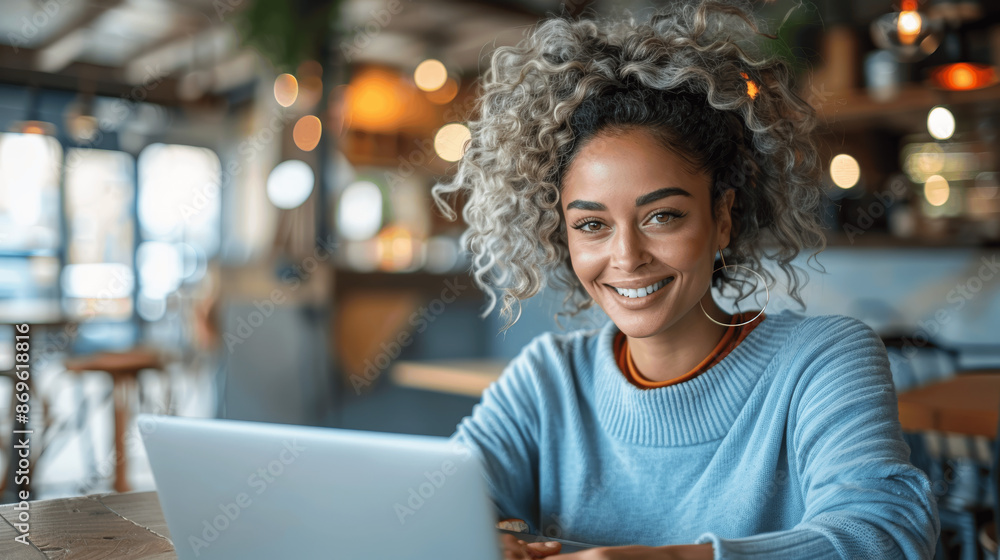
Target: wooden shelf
[907,111]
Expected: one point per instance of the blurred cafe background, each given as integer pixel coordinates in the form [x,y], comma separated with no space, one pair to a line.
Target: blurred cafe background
[221,208]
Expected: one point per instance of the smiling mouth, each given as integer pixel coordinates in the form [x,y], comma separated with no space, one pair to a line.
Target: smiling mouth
[642,292]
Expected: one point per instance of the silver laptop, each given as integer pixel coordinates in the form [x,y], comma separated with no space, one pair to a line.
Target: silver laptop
[233,489]
[248,490]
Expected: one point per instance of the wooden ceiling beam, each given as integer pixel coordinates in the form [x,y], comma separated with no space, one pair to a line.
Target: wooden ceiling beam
[16,68]
[95,9]
[183,31]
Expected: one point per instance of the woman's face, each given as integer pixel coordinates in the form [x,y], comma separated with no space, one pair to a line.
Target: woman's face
[636,216]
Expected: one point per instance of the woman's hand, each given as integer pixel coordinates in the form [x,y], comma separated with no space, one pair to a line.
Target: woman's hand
[673,552]
[516,549]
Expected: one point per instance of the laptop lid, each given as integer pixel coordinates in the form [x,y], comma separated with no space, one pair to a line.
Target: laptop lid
[250,490]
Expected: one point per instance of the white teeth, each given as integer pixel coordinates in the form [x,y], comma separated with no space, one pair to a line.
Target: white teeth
[642,292]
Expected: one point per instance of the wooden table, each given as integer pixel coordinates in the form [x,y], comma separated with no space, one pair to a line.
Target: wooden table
[97,526]
[462,377]
[128,526]
[131,525]
[968,404]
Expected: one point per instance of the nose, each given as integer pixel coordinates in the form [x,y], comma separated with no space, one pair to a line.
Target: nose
[629,250]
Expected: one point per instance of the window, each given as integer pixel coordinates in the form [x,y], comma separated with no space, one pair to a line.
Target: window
[29,193]
[179,219]
[97,280]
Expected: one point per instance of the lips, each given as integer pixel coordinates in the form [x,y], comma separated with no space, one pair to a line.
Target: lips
[640,295]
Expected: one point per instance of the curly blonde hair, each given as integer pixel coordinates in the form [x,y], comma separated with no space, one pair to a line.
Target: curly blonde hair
[689,74]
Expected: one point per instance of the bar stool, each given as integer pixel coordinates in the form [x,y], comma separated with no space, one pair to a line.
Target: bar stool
[124,368]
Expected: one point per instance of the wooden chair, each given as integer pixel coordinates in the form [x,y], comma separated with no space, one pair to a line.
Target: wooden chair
[124,368]
[953,462]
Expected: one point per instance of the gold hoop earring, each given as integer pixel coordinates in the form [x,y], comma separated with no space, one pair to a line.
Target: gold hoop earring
[762,281]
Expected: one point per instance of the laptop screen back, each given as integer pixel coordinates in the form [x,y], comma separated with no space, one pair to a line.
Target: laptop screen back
[235,489]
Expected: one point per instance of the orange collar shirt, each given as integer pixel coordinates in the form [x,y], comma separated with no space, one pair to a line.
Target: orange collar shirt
[733,336]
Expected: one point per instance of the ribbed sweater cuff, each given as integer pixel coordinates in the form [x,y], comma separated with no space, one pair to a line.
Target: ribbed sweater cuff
[796,543]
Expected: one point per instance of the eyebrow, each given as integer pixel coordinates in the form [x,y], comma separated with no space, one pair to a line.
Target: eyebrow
[641,201]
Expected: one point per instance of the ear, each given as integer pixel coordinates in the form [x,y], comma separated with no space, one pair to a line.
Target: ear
[724,217]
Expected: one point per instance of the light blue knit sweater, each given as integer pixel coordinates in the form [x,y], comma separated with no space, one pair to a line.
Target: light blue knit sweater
[790,447]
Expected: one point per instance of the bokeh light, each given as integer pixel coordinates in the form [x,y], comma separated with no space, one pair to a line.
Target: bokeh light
[430,75]
[290,184]
[940,123]
[373,100]
[908,26]
[160,267]
[961,76]
[286,90]
[310,68]
[310,92]
[936,190]
[307,133]
[845,171]
[450,141]
[395,248]
[359,214]
[444,94]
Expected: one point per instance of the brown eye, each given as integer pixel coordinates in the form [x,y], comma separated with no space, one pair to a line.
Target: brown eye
[584,226]
[670,215]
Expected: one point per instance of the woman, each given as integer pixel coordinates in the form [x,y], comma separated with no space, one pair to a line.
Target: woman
[614,160]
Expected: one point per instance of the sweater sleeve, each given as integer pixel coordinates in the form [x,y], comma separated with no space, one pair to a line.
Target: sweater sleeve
[503,431]
[863,498]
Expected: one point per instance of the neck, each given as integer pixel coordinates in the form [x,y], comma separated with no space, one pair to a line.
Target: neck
[677,350]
